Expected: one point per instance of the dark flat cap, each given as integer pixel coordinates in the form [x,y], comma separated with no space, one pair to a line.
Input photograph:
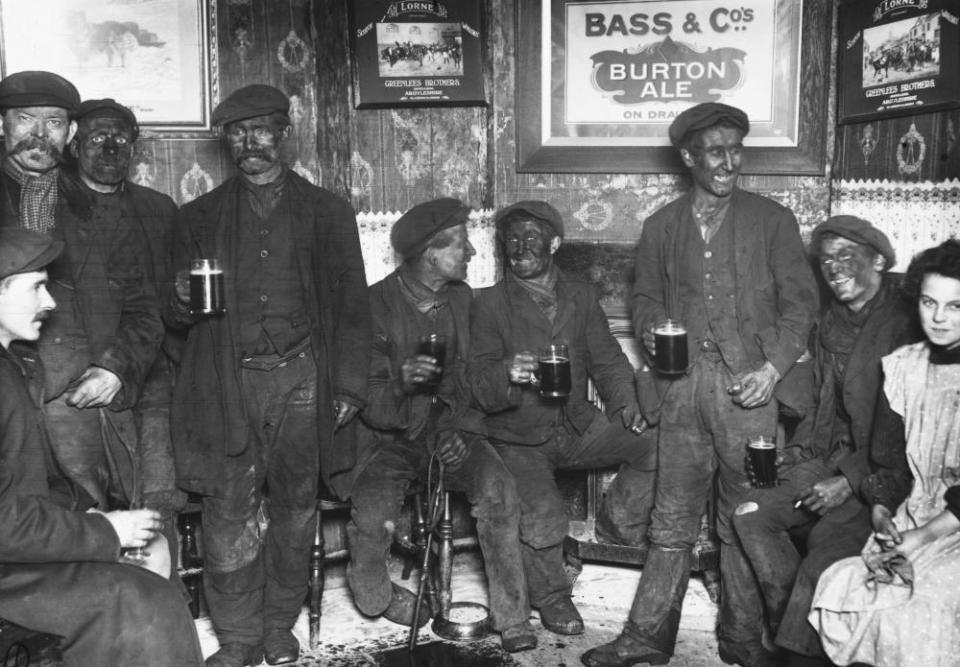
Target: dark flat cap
[24,250]
[109,108]
[857,230]
[413,231]
[703,116]
[249,102]
[533,208]
[38,89]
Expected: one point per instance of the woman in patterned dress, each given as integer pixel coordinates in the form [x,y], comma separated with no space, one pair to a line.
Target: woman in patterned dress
[899,605]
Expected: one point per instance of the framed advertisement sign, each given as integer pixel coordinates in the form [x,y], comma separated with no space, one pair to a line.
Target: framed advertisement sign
[600,82]
[423,53]
[898,58]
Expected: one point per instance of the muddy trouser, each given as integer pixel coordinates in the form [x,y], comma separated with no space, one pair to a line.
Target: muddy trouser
[544,520]
[703,437]
[377,497]
[256,581]
[786,579]
[105,613]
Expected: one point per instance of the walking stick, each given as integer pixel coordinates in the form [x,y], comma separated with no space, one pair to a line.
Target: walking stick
[433,505]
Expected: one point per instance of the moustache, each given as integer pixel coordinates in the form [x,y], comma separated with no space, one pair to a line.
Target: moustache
[260,155]
[35,143]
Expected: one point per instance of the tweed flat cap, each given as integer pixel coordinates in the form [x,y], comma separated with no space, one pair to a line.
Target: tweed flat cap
[413,231]
[703,116]
[38,89]
[249,102]
[857,230]
[108,107]
[24,250]
[533,208]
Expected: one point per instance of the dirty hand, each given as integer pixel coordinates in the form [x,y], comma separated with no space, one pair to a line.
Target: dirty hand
[886,531]
[181,285]
[417,370]
[522,368]
[753,389]
[650,342]
[343,411]
[134,528]
[96,388]
[451,449]
[826,495]
[633,419]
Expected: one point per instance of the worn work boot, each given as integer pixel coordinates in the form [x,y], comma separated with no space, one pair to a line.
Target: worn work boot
[519,637]
[235,654]
[747,655]
[402,606]
[623,652]
[561,617]
[280,647]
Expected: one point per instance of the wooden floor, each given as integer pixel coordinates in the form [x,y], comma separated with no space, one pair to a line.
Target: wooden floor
[602,593]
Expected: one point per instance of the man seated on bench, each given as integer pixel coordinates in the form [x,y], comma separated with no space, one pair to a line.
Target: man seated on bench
[59,561]
[418,411]
[866,319]
[538,429]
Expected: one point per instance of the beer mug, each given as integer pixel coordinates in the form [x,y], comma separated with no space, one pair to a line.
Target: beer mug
[763,459]
[670,345]
[433,345]
[554,370]
[206,287]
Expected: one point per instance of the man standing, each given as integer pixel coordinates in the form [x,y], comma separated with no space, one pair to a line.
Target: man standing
[825,465]
[103,146]
[263,387]
[101,342]
[731,266]
[418,410]
[59,569]
[536,304]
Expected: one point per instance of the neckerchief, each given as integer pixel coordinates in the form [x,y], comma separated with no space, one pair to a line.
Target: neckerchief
[420,296]
[263,198]
[38,197]
[544,294]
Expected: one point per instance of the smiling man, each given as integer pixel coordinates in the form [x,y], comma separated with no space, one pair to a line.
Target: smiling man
[827,460]
[731,266]
[536,304]
[266,390]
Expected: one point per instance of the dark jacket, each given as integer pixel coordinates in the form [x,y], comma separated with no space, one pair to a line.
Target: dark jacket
[891,323]
[391,414]
[208,420]
[504,321]
[776,295]
[42,513]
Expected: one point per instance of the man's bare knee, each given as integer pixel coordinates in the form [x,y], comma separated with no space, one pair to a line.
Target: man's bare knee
[746,508]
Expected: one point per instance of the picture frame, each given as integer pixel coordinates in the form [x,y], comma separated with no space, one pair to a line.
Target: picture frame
[157,57]
[415,54]
[898,59]
[648,60]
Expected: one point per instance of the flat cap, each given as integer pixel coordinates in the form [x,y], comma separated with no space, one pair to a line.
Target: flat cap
[38,89]
[857,230]
[705,115]
[249,102]
[108,107]
[24,250]
[533,208]
[413,231]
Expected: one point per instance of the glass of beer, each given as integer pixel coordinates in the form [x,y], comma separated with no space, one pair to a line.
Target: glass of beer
[206,287]
[433,345]
[554,370]
[670,343]
[763,459]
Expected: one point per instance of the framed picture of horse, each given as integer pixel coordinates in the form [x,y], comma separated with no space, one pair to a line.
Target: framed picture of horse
[157,57]
[417,53]
[898,58]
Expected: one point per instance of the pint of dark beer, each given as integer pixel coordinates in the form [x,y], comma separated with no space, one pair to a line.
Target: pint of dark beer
[206,287]
[763,459]
[670,340]
[433,345]
[554,371]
